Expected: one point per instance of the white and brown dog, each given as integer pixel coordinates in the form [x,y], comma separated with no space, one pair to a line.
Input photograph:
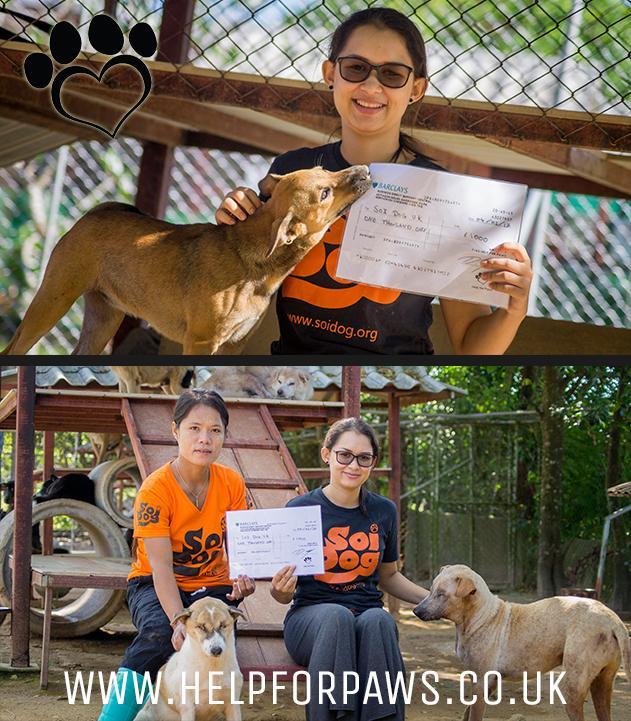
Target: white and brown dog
[209,648]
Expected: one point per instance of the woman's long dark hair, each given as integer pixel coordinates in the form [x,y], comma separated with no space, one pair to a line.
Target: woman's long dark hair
[387,19]
[358,426]
[196,397]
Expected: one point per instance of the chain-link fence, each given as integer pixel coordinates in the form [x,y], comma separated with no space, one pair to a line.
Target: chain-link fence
[567,54]
[543,58]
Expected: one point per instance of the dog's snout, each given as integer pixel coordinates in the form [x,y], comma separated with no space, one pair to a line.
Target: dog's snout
[216,650]
[361,172]
[419,611]
[360,178]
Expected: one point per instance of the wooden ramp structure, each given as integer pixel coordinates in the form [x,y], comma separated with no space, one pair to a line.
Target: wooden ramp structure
[255,448]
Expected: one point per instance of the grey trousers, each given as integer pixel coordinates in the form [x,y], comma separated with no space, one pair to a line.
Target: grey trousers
[328,637]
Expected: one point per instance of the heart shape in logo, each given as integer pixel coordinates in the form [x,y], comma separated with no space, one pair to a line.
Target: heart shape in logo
[374,185]
[66,73]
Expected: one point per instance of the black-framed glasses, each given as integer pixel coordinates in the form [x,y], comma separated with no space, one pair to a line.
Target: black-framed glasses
[345,458]
[355,70]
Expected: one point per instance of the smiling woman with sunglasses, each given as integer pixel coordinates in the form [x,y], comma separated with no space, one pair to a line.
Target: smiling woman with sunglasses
[377,71]
[337,622]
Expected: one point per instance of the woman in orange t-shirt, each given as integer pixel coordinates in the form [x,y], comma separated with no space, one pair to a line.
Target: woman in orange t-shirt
[179,527]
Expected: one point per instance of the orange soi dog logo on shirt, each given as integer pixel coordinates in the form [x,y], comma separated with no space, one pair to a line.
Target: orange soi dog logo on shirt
[348,556]
[295,285]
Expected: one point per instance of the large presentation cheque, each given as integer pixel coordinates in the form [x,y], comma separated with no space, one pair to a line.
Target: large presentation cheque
[262,541]
[426,231]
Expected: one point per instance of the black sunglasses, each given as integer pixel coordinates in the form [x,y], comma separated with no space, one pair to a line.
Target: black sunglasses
[355,70]
[345,458]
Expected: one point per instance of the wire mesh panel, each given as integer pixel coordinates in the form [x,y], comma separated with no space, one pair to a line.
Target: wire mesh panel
[586,260]
[459,497]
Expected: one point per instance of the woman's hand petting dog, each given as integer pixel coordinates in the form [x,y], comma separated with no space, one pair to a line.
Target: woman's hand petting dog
[238,204]
[242,586]
[178,636]
[511,274]
[284,584]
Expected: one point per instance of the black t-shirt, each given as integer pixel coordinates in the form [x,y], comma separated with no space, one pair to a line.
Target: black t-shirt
[319,313]
[354,545]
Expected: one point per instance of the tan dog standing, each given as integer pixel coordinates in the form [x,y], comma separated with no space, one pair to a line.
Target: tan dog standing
[169,378]
[201,285]
[209,647]
[512,638]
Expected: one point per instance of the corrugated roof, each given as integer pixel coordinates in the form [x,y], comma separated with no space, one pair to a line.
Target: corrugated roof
[622,489]
[80,376]
[402,378]
[374,378]
[21,141]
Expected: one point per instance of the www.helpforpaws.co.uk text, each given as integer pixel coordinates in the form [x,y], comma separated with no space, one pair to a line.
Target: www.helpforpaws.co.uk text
[415,687]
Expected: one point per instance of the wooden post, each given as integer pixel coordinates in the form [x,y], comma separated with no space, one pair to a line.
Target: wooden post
[351,387]
[21,592]
[49,467]
[157,159]
[394,480]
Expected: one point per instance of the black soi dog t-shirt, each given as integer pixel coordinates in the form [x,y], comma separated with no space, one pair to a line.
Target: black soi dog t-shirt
[355,543]
[321,313]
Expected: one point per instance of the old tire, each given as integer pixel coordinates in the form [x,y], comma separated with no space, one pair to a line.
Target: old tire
[104,476]
[94,607]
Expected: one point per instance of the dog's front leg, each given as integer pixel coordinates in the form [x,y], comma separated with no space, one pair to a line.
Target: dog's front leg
[475,712]
[187,712]
[233,712]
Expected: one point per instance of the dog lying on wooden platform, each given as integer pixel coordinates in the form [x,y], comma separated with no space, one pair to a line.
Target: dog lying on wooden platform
[201,285]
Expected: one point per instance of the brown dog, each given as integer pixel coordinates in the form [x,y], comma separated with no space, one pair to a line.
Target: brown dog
[201,285]
[513,638]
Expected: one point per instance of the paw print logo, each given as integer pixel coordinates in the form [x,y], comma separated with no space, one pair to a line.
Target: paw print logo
[107,38]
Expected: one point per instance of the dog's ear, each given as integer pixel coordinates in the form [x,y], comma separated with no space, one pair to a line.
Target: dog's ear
[182,615]
[465,587]
[304,377]
[267,185]
[234,612]
[285,230]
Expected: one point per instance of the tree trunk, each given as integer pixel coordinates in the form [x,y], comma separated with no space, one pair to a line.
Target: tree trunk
[621,553]
[525,491]
[551,477]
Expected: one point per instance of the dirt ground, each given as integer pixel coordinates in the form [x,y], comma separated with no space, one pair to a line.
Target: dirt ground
[425,646]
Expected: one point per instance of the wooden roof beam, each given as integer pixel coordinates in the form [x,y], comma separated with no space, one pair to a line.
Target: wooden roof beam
[203,122]
[310,103]
[592,165]
[533,179]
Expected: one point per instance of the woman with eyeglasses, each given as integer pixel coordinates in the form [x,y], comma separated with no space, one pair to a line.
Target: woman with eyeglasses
[377,69]
[337,622]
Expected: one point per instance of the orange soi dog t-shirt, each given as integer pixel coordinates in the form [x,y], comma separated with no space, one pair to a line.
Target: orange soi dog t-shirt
[162,509]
